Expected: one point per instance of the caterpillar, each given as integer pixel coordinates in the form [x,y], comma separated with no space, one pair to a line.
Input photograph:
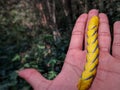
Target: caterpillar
[91,64]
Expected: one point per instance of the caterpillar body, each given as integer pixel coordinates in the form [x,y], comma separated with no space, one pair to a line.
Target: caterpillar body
[90,68]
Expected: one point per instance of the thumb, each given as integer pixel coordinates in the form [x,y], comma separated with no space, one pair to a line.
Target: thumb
[35,79]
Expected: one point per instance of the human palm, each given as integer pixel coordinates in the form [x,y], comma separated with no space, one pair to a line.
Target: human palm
[108,72]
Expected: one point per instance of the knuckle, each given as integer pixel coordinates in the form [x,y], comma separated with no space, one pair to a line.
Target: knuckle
[78,32]
[116,34]
[104,34]
[116,44]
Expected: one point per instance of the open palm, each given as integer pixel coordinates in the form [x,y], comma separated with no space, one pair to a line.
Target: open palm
[108,73]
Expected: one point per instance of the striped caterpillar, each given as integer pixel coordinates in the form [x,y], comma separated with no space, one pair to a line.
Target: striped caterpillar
[90,68]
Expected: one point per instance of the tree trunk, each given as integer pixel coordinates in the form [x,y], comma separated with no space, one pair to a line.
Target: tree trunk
[52,17]
[67,8]
[43,19]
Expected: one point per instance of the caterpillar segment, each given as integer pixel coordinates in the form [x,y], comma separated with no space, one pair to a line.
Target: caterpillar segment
[90,68]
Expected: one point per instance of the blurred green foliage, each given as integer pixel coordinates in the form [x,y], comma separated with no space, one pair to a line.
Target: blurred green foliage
[24,43]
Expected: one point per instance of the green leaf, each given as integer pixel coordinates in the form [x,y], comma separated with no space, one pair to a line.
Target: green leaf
[13,76]
[16,58]
[40,46]
[27,65]
[51,75]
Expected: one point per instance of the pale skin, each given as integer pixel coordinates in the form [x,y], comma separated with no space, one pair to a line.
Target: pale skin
[108,71]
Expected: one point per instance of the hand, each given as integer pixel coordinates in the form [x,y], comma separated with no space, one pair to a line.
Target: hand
[108,72]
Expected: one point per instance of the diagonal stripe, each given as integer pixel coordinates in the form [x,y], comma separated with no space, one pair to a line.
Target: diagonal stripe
[95,48]
[95,58]
[94,33]
[93,27]
[92,76]
[95,40]
[94,68]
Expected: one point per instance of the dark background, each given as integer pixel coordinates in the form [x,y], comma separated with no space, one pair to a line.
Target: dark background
[36,34]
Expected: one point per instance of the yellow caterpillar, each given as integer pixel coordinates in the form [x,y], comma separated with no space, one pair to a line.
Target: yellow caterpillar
[92,55]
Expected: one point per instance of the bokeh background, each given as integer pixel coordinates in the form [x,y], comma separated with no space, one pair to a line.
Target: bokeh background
[36,34]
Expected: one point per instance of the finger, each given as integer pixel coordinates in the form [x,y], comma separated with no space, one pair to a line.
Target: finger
[91,13]
[116,41]
[104,36]
[78,32]
[34,78]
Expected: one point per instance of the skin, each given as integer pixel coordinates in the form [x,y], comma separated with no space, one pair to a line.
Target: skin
[108,72]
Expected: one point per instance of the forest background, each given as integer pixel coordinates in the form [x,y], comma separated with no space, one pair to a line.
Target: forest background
[36,34]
